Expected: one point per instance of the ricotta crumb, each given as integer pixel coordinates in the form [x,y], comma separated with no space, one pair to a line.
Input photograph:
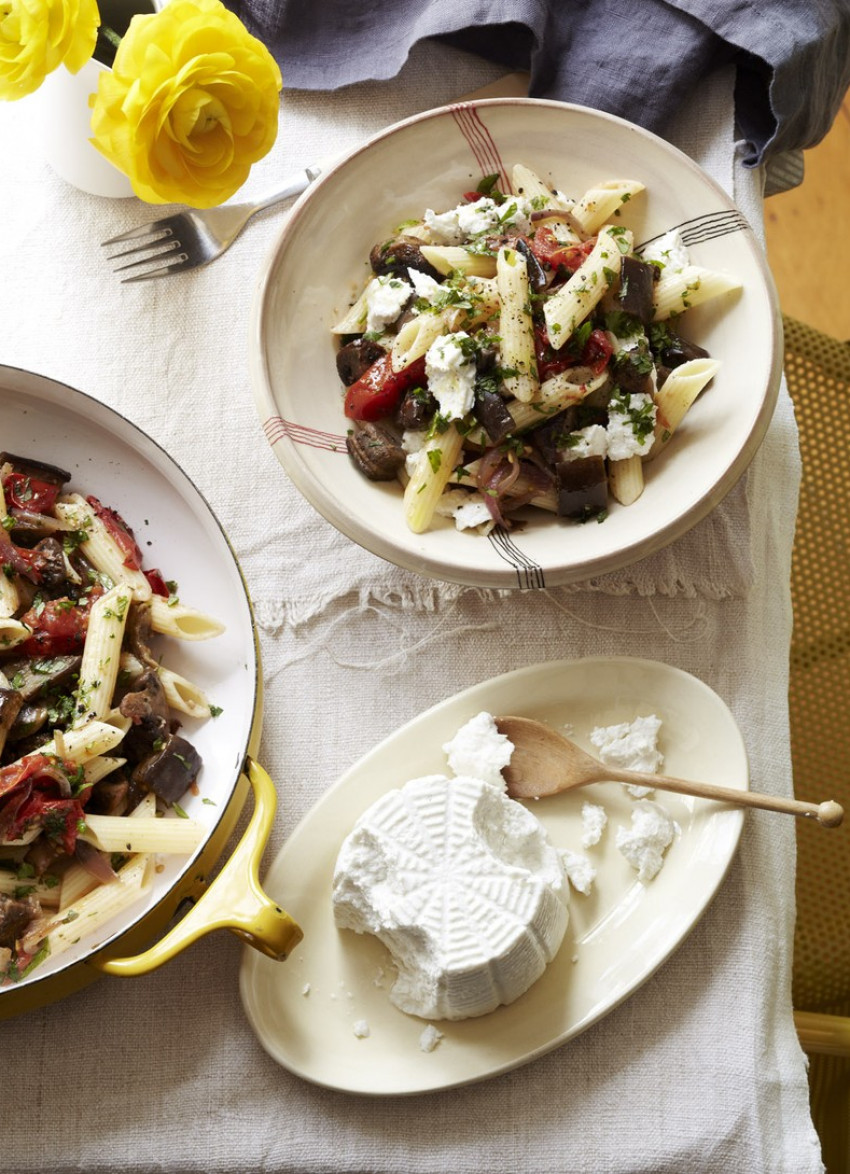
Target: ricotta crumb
[361,1029]
[631,425]
[429,1038]
[305,990]
[426,286]
[479,750]
[580,872]
[451,372]
[668,251]
[469,510]
[631,745]
[593,821]
[648,838]
[586,442]
[386,297]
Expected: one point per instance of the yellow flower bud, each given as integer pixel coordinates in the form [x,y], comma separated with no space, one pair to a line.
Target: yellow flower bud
[191,103]
[37,36]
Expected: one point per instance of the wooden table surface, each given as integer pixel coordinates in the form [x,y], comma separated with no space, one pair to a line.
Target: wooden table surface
[808,238]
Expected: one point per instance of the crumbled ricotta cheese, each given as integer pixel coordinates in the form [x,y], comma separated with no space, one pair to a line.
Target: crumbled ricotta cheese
[386,297]
[645,842]
[593,821]
[464,888]
[305,990]
[426,286]
[361,1029]
[469,510]
[580,872]
[669,251]
[586,442]
[631,425]
[477,217]
[631,745]
[429,1038]
[450,371]
[478,749]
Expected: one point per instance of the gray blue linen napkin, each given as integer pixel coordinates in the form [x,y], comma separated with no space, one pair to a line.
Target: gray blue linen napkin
[641,61]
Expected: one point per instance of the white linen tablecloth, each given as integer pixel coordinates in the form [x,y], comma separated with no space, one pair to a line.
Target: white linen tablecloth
[700,1070]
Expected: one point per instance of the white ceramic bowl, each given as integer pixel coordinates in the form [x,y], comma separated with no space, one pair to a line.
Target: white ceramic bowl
[320,261]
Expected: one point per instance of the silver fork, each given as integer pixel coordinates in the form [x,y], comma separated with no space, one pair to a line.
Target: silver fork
[193,238]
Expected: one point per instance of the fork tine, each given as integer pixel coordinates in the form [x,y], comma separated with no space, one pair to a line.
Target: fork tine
[142,230]
[163,253]
[163,271]
[168,245]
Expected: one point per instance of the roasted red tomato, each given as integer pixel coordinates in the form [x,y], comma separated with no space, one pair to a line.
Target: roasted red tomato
[551,252]
[378,392]
[59,626]
[28,493]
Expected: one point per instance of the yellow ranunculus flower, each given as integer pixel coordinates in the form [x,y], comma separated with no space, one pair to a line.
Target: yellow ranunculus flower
[191,103]
[37,36]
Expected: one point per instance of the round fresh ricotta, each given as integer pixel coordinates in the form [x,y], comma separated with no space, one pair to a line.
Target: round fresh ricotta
[463,886]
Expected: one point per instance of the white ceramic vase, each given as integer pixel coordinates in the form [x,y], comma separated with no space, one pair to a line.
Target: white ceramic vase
[66,131]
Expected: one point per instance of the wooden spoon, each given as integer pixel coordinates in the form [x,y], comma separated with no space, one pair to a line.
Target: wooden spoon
[544,762]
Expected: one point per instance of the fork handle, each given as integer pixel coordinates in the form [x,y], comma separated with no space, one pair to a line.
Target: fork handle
[295,187]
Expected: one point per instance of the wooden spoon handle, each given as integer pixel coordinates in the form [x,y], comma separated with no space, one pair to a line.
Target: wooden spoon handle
[829,813]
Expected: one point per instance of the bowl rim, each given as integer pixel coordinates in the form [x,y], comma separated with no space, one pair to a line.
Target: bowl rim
[350,525]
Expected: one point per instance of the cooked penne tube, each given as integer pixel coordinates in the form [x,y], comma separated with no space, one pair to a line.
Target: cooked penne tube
[76,882]
[680,289]
[625,479]
[455,259]
[12,884]
[94,909]
[567,308]
[183,695]
[516,327]
[528,184]
[116,833]
[102,654]
[600,203]
[414,338]
[86,742]
[12,632]
[675,396]
[434,466]
[353,321]
[99,547]
[98,768]
[184,623]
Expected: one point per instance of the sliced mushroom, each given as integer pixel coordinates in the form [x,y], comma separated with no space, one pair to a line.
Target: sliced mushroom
[375,451]
[147,708]
[32,677]
[404,252]
[137,633]
[355,358]
[15,916]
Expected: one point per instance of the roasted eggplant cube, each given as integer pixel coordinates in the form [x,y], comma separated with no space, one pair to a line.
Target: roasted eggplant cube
[635,292]
[375,451]
[582,487]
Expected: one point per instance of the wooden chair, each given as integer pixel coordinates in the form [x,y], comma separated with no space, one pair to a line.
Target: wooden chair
[817,369]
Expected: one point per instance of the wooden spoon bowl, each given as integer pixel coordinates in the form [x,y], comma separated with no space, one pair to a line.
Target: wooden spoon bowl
[544,762]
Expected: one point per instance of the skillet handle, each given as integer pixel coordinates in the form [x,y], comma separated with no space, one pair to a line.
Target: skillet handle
[234,900]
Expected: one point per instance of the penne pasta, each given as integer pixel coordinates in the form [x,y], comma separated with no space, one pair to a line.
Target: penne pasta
[678,290]
[12,632]
[414,338]
[434,466]
[84,743]
[102,654]
[183,695]
[454,259]
[116,833]
[527,183]
[625,479]
[99,547]
[100,905]
[675,397]
[516,326]
[601,202]
[571,304]
[182,622]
